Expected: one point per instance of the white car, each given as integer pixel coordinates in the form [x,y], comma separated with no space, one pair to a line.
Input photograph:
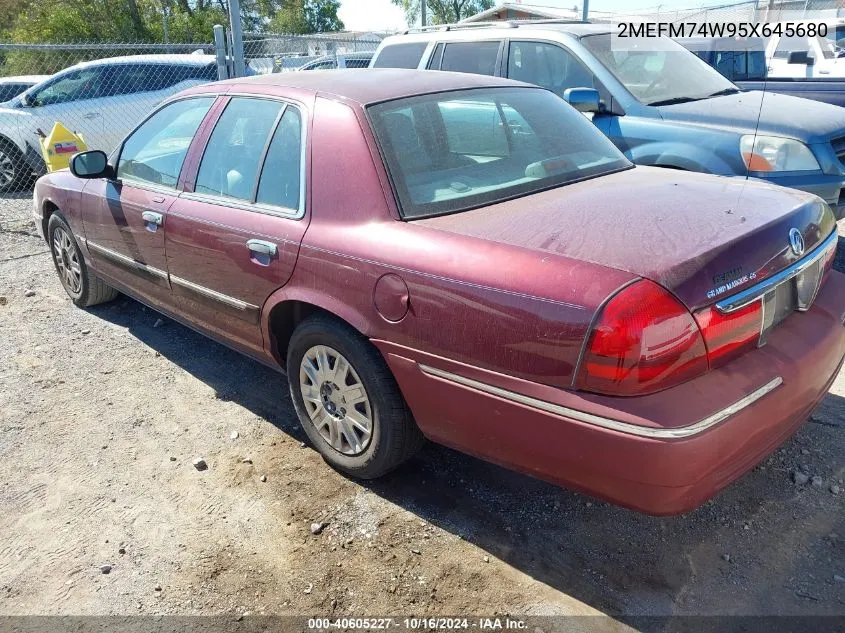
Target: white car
[807,57]
[102,100]
[11,87]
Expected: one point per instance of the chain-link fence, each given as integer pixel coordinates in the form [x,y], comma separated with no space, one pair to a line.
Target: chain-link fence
[272,53]
[98,91]
[101,91]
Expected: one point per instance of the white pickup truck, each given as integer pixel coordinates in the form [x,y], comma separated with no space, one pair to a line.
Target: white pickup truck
[808,57]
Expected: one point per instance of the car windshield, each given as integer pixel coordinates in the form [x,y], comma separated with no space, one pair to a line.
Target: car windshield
[658,71]
[458,150]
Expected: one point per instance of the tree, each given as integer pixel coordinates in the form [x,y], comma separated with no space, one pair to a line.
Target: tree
[307,16]
[321,16]
[443,11]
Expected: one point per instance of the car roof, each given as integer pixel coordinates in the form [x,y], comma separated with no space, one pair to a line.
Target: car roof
[188,59]
[365,85]
[513,29]
[33,79]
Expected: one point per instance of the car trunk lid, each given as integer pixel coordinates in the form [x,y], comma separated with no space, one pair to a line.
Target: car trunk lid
[702,237]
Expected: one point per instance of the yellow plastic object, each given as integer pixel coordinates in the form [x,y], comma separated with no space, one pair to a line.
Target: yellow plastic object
[59,146]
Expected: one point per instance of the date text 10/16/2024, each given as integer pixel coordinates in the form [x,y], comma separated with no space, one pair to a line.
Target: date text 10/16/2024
[481,624]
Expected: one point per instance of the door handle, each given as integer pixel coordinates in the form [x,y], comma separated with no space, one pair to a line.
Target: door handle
[152,220]
[261,252]
[92,115]
[262,247]
[158,199]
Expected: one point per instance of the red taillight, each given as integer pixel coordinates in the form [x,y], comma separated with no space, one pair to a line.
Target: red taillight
[645,340]
[729,335]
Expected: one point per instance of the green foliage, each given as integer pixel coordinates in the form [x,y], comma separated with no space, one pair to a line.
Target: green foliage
[131,21]
[307,16]
[443,11]
[138,22]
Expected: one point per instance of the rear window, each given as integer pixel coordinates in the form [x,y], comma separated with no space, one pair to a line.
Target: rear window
[459,150]
[471,57]
[400,55]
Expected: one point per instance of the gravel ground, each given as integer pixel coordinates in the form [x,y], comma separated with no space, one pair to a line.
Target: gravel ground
[102,511]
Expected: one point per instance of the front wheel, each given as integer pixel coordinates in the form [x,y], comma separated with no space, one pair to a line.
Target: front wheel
[81,285]
[13,167]
[348,401]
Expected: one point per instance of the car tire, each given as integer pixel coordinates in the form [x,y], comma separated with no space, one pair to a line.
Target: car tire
[13,167]
[338,433]
[82,286]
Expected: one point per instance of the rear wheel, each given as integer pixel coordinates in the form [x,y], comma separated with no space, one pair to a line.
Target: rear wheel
[348,401]
[81,285]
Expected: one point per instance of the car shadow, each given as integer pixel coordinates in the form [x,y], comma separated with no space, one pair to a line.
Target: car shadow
[726,556]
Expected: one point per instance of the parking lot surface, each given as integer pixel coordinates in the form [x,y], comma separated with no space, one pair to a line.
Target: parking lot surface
[103,411]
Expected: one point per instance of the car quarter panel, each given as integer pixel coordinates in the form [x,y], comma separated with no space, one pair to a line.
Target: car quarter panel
[654,475]
[502,307]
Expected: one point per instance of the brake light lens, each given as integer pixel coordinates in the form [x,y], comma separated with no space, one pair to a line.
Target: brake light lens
[644,341]
[730,335]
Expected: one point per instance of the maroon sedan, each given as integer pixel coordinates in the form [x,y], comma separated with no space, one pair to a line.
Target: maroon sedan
[467,259]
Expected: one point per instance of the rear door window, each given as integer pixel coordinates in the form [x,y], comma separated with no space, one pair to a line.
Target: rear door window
[124,79]
[400,55]
[547,65]
[471,57]
[281,176]
[232,158]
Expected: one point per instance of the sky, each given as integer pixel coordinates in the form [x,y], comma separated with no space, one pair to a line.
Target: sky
[383,15]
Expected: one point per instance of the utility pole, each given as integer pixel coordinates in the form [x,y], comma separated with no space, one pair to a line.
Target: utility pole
[769,8]
[586,10]
[423,10]
[237,37]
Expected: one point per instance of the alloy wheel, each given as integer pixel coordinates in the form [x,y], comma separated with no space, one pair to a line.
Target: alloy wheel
[7,169]
[67,261]
[336,400]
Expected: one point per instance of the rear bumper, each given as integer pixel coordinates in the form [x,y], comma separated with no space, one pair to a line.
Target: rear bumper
[651,471]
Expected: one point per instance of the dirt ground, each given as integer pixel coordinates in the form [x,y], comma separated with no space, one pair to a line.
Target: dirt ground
[102,413]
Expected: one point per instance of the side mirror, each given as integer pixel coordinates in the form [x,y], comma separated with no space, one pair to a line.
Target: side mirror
[93,164]
[800,58]
[27,100]
[582,99]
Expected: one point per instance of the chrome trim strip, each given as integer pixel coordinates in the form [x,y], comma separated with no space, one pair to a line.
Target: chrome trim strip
[212,294]
[608,423]
[244,205]
[124,259]
[742,299]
